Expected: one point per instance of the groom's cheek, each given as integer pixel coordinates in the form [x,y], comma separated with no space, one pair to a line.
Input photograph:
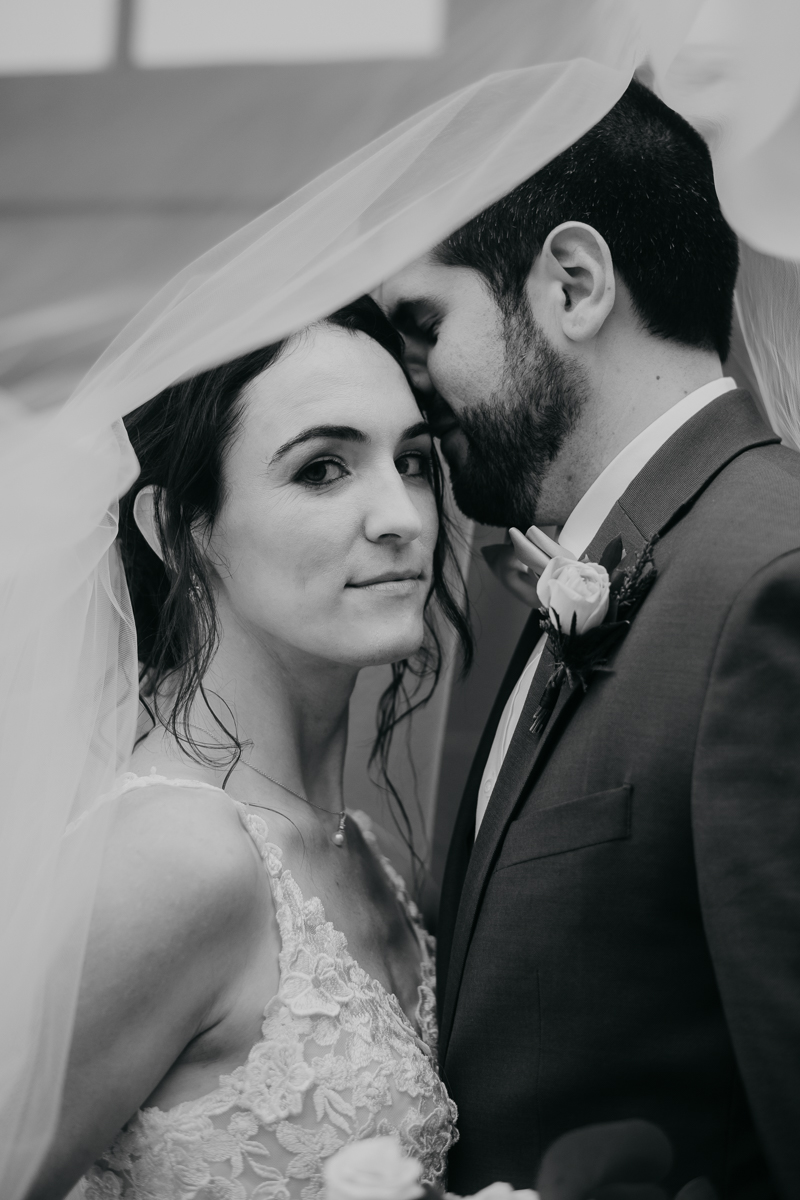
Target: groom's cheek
[467,372]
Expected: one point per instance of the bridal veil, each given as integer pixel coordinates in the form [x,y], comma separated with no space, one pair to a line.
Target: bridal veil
[534,76]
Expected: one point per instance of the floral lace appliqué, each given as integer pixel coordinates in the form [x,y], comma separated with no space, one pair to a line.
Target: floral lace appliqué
[338,1060]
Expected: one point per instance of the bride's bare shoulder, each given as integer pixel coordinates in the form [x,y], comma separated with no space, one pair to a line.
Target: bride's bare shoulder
[182,901]
[180,856]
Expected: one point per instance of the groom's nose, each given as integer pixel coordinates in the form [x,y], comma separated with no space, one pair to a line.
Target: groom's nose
[395,297]
[415,356]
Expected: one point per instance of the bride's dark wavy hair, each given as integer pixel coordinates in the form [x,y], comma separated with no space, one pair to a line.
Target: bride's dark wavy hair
[181,437]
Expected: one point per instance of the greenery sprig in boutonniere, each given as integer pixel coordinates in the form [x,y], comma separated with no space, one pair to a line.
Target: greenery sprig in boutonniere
[586,609]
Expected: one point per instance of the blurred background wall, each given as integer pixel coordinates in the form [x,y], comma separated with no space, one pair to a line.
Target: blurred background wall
[134,134]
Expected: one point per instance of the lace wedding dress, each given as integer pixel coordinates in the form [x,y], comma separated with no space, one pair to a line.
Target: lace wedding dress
[338,1060]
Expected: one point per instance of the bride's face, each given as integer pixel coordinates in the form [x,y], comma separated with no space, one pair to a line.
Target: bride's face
[325,537]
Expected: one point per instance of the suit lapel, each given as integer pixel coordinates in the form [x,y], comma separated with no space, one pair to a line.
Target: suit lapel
[524,752]
[662,492]
[464,832]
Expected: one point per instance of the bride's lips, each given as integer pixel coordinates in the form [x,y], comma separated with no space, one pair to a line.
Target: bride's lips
[399,583]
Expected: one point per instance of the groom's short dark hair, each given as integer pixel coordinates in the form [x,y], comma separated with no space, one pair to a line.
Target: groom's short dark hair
[642,177]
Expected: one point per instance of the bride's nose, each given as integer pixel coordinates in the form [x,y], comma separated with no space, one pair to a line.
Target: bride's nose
[391,512]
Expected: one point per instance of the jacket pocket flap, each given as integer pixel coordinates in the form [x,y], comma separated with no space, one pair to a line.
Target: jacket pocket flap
[589,821]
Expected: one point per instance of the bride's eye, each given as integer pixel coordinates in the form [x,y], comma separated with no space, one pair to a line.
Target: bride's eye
[322,472]
[414,465]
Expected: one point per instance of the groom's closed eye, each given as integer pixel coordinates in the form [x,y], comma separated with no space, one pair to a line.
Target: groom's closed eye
[416,320]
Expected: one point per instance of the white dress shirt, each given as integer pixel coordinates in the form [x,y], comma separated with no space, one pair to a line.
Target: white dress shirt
[577,534]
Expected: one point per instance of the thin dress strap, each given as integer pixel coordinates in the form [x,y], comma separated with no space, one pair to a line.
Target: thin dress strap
[126,783]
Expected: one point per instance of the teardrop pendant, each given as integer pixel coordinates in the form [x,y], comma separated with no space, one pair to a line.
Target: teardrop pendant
[338,837]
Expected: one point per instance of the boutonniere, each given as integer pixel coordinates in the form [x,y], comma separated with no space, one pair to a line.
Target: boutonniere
[586,609]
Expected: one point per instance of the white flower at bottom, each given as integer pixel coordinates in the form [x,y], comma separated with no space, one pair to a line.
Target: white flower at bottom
[497,1191]
[372,1169]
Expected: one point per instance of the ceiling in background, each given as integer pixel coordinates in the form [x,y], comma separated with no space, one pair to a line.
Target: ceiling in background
[47,35]
[184,32]
[42,36]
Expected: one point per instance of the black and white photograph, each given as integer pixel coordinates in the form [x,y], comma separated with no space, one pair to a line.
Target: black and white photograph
[400,600]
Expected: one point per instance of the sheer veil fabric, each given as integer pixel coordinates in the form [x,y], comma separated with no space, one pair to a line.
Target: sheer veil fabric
[532,76]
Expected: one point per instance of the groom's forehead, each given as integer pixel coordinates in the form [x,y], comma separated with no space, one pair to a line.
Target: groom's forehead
[409,283]
[424,283]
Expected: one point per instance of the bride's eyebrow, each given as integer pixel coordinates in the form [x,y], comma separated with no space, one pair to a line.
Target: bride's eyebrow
[414,431]
[339,433]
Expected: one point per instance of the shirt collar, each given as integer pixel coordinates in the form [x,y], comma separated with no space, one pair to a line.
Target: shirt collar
[590,511]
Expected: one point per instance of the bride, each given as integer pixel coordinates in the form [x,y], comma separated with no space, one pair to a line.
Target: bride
[258,988]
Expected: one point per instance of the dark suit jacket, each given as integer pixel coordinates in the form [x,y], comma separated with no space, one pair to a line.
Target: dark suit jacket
[623,940]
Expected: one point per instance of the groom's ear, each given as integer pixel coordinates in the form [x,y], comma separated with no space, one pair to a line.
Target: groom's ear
[144,514]
[573,278]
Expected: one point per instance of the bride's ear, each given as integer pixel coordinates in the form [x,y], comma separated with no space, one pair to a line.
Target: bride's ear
[576,271]
[144,514]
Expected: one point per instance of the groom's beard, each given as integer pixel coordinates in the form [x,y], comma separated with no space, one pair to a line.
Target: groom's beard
[515,435]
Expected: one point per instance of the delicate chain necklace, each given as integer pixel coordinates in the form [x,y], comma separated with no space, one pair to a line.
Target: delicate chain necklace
[338,837]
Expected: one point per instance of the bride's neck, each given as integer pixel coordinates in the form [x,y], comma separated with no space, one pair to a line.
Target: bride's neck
[289,710]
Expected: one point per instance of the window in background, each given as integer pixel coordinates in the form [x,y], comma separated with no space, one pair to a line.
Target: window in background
[55,36]
[173,33]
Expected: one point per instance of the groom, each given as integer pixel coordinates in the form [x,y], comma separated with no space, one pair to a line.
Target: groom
[620,923]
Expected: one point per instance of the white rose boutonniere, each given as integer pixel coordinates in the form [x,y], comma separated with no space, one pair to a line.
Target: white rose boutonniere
[575,594]
[372,1169]
[586,609]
